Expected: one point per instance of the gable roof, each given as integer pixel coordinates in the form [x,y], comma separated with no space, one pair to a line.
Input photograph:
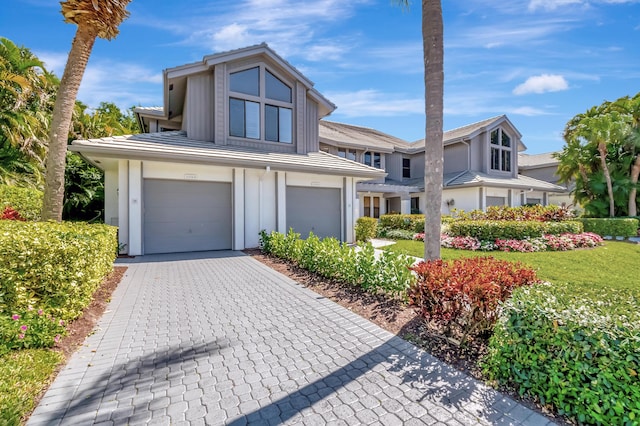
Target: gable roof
[474,178]
[350,136]
[471,130]
[534,161]
[176,147]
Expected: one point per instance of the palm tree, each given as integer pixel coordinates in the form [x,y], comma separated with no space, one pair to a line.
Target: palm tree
[631,107]
[433,53]
[94,19]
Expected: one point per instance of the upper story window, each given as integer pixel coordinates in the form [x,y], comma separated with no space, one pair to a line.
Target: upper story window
[373,159]
[500,151]
[406,167]
[260,106]
[349,154]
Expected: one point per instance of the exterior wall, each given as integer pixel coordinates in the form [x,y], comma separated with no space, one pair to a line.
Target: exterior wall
[311,127]
[456,158]
[417,164]
[478,146]
[394,166]
[497,192]
[199,121]
[111,197]
[466,199]
[547,174]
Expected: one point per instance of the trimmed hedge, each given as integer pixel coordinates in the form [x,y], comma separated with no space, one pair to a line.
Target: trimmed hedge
[408,222]
[535,212]
[53,266]
[329,258]
[366,228]
[26,201]
[581,357]
[611,226]
[506,230]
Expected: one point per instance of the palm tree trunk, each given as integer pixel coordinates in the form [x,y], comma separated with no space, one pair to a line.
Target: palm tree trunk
[61,120]
[602,149]
[432,38]
[635,173]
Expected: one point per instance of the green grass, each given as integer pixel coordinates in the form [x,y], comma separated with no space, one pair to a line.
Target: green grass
[23,375]
[615,265]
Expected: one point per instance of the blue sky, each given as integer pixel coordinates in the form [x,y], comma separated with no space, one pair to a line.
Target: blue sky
[538,61]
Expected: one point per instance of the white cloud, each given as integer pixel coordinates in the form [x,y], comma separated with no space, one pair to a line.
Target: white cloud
[555,4]
[542,84]
[373,103]
[527,111]
[53,61]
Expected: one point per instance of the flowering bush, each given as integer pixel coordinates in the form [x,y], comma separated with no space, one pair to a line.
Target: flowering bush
[561,242]
[11,214]
[29,329]
[522,213]
[466,293]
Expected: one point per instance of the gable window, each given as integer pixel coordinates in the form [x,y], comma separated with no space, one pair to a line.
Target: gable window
[406,167]
[500,151]
[349,154]
[373,159]
[260,106]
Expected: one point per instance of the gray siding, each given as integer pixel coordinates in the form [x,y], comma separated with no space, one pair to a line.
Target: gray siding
[547,174]
[394,166]
[220,104]
[455,158]
[199,105]
[417,165]
[311,127]
[478,156]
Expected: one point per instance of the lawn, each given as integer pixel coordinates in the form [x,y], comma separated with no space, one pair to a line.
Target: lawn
[615,265]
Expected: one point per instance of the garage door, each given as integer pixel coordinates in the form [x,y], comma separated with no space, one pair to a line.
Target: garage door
[314,210]
[182,216]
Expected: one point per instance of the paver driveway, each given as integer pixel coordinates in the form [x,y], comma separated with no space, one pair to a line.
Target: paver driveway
[219,338]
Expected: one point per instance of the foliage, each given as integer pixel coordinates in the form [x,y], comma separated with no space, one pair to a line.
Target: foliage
[601,157]
[23,376]
[30,328]
[561,242]
[613,266]
[490,230]
[83,190]
[366,228]
[409,222]
[10,214]
[466,292]
[329,258]
[54,267]
[614,227]
[579,355]
[26,201]
[536,212]
[399,234]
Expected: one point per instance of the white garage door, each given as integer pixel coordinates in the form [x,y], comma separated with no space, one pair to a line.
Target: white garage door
[314,210]
[181,216]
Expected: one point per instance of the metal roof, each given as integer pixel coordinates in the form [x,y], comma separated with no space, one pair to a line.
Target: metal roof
[532,161]
[348,135]
[474,178]
[176,147]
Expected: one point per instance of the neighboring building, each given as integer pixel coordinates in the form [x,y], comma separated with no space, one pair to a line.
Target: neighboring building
[481,168]
[239,146]
[545,167]
[233,151]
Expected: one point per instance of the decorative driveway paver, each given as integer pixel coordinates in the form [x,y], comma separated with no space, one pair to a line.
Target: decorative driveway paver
[219,338]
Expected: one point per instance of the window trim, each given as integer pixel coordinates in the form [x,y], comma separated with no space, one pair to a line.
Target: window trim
[263,101]
[406,169]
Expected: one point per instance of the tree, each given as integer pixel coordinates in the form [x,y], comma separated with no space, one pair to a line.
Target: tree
[94,19]
[433,55]
[631,106]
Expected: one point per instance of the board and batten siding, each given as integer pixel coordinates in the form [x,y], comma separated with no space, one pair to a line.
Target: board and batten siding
[199,104]
[220,104]
[393,162]
[311,136]
[456,158]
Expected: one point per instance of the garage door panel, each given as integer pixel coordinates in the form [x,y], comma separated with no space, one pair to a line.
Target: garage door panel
[317,210]
[184,216]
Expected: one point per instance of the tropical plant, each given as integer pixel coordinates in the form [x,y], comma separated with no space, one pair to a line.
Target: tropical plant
[94,19]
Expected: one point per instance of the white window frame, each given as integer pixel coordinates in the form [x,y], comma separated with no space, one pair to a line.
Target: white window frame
[263,101]
[501,150]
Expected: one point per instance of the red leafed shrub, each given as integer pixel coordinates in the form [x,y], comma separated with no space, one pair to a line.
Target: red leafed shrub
[10,214]
[464,295]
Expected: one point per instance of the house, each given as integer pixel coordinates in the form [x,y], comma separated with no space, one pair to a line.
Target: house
[233,150]
[481,168]
[544,167]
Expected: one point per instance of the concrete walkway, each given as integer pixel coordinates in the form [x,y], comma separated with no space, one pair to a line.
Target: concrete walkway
[218,338]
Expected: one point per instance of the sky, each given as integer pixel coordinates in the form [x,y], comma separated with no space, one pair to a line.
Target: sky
[540,62]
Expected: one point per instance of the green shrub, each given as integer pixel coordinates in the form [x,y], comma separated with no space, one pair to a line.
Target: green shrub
[334,260]
[409,222]
[614,227]
[529,212]
[567,351]
[29,329]
[487,230]
[53,266]
[399,234]
[26,201]
[466,293]
[366,228]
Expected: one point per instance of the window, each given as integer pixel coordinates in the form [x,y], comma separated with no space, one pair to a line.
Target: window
[367,207]
[260,111]
[500,151]
[373,159]
[371,207]
[376,207]
[406,167]
[349,154]
[415,205]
